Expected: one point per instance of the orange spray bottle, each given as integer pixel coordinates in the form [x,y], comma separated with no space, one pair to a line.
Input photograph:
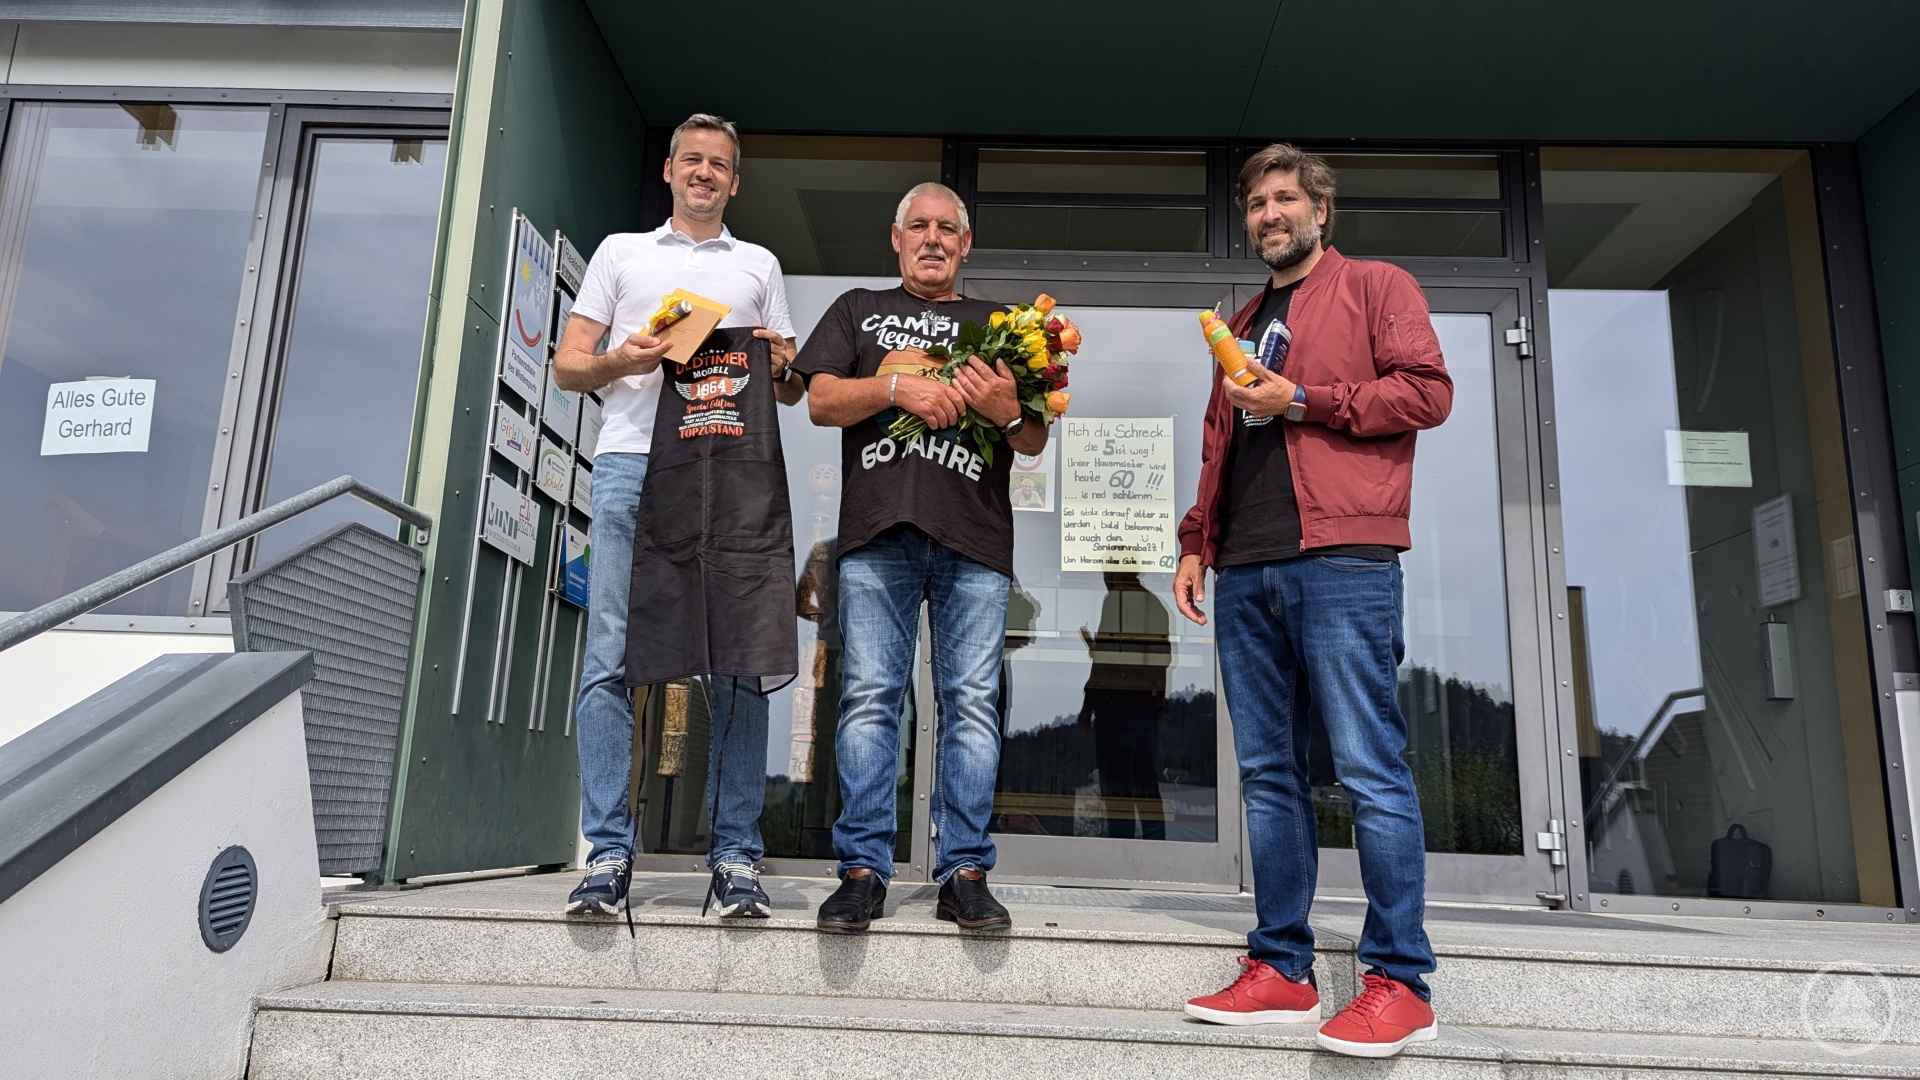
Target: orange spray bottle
[1233,358]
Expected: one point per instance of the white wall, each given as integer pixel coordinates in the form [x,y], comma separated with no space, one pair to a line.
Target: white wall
[44,676]
[104,972]
[246,57]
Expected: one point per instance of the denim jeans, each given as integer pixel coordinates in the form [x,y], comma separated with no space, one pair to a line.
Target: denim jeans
[1324,632]
[881,586]
[603,718]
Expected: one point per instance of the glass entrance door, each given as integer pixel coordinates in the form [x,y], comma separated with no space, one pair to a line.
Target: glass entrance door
[1117,762]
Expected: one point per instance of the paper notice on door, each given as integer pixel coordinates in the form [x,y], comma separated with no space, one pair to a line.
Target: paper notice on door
[1708,459]
[98,416]
[1116,495]
[1776,563]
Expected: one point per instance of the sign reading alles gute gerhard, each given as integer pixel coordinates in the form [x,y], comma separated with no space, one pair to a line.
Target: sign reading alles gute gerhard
[98,416]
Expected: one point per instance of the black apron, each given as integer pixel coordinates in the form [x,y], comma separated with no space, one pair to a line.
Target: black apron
[712,588]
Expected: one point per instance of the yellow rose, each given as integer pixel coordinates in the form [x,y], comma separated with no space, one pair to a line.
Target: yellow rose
[997,319]
[1037,363]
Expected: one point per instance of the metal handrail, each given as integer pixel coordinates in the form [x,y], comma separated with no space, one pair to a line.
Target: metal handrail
[80,601]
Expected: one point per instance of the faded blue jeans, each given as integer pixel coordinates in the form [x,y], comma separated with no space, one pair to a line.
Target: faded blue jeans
[1324,632]
[881,586]
[603,717]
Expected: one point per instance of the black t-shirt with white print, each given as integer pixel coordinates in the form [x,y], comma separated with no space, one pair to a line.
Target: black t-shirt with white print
[942,487]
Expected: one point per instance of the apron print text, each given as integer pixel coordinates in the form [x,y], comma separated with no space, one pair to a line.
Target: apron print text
[710,389]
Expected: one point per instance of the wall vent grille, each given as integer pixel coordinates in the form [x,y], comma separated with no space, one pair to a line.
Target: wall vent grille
[227,898]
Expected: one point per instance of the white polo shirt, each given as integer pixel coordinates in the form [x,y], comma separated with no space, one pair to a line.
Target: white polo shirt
[626,278]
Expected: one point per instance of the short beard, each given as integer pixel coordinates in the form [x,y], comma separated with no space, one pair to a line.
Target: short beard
[1301,245]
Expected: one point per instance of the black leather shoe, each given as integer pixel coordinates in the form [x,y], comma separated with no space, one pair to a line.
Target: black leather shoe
[966,901]
[854,905]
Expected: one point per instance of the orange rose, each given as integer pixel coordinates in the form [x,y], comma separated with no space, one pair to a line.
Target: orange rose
[1044,304]
[1070,338]
[1057,402]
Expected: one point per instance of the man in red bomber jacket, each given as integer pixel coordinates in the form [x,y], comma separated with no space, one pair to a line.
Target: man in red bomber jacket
[1306,480]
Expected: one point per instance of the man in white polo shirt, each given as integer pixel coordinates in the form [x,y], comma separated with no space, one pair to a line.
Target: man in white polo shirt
[626,278]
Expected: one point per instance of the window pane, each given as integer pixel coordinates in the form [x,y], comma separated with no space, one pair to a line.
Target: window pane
[122,254]
[1090,228]
[360,305]
[1722,691]
[1095,172]
[1433,233]
[1416,176]
[825,204]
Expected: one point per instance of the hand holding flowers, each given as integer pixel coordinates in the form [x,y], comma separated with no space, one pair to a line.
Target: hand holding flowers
[1018,360]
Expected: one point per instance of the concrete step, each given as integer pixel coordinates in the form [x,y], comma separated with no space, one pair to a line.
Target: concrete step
[409,1030]
[1151,951]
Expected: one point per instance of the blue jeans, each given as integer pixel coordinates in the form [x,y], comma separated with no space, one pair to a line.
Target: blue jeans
[1324,632]
[603,717]
[881,586]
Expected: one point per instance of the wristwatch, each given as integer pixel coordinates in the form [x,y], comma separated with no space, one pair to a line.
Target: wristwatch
[1297,411]
[1015,426]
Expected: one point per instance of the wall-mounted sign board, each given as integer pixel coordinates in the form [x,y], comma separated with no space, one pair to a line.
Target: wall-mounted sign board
[510,520]
[576,556]
[513,436]
[560,412]
[592,418]
[569,265]
[583,489]
[529,308]
[554,472]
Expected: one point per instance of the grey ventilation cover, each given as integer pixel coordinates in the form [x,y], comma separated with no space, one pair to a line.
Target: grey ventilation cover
[226,898]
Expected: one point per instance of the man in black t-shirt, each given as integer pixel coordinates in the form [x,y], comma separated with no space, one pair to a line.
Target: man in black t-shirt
[927,520]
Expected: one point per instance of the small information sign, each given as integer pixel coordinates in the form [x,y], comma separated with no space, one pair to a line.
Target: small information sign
[592,418]
[571,267]
[513,437]
[510,521]
[554,472]
[576,556]
[529,308]
[583,489]
[561,413]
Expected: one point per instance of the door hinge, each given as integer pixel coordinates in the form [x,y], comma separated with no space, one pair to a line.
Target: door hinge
[1553,842]
[1521,337]
[1555,900]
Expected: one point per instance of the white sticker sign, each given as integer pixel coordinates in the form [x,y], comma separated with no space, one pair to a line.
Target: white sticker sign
[583,489]
[529,307]
[513,436]
[560,413]
[1776,562]
[1116,495]
[555,472]
[591,420]
[1030,482]
[510,520]
[98,416]
[1708,459]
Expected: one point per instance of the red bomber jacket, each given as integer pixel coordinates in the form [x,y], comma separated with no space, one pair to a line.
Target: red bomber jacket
[1364,347]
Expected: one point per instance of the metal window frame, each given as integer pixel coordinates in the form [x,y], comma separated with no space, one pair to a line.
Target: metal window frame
[248,450]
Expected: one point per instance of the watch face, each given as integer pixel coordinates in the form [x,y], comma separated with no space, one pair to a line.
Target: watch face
[1014,426]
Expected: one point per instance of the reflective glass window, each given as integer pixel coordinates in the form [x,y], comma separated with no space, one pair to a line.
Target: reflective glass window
[1439,234]
[823,204]
[1090,228]
[123,240]
[1094,172]
[1416,176]
[352,352]
[1728,740]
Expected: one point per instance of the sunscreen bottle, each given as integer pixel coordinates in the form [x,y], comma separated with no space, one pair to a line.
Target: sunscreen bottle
[1231,354]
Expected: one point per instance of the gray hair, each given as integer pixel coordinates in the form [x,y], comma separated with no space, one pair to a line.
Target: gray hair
[706,122]
[931,187]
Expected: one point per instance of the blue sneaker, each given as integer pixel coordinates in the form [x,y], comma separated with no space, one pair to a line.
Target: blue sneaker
[736,892]
[604,887]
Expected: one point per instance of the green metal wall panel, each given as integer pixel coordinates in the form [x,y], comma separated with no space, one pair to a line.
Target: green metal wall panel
[1890,175]
[544,122]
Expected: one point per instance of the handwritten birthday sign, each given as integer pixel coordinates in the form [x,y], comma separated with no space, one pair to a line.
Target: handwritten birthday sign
[1116,495]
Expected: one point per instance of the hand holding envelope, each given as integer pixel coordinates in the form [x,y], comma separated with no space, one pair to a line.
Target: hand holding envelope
[684,321]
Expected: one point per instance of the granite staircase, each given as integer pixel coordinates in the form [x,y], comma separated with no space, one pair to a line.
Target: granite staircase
[487,979]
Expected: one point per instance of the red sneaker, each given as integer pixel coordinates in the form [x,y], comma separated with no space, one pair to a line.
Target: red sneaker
[1381,1021]
[1260,995]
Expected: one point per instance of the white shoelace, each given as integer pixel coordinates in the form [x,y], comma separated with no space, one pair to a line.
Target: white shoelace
[739,870]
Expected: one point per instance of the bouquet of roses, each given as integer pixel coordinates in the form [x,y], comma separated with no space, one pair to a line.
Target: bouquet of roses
[1035,344]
